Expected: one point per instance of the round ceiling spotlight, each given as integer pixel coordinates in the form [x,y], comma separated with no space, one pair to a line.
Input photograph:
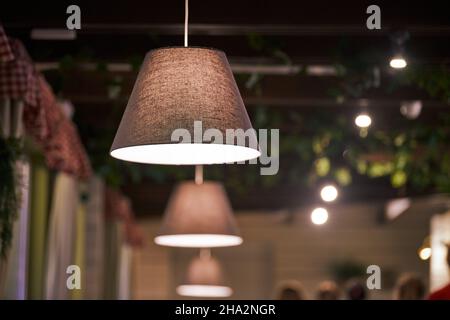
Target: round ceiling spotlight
[363,120]
[319,216]
[329,193]
[398,62]
[425,253]
[398,39]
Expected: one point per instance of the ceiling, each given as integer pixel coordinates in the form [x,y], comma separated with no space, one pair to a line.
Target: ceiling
[119,32]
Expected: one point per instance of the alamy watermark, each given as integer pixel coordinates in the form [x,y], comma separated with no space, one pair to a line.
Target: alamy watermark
[373,22]
[73,21]
[250,138]
[373,282]
[73,281]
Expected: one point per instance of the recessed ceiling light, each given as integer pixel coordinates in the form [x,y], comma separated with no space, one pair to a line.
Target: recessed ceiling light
[363,120]
[319,216]
[398,62]
[329,193]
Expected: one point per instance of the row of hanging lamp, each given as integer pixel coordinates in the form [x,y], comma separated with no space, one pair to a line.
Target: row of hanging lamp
[175,87]
[204,278]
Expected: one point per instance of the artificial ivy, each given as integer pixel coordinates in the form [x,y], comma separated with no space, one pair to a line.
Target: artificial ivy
[10,150]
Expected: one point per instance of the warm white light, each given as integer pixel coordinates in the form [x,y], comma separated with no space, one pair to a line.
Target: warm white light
[186,153]
[329,193]
[363,120]
[198,240]
[319,216]
[425,253]
[204,291]
[398,63]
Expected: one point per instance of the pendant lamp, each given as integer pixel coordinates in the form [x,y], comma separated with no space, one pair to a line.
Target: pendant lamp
[198,215]
[177,86]
[204,278]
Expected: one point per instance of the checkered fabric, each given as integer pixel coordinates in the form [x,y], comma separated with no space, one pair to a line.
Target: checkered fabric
[65,152]
[57,134]
[6,53]
[118,207]
[35,118]
[18,76]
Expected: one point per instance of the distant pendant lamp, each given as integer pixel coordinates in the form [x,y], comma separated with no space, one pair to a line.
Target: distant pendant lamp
[175,87]
[204,278]
[198,215]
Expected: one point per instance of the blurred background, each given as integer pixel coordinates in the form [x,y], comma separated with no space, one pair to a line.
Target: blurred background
[365,112]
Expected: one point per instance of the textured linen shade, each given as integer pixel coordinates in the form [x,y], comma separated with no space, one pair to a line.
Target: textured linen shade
[198,216]
[175,87]
[204,278]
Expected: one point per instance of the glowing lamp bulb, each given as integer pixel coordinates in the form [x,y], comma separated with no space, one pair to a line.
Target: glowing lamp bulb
[319,216]
[398,62]
[329,193]
[363,120]
[425,253]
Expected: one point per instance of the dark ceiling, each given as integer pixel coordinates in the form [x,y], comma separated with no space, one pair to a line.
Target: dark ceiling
[307,31]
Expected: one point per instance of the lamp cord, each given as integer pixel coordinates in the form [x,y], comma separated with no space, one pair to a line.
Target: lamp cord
[205,253]
[198,174]
[186,17]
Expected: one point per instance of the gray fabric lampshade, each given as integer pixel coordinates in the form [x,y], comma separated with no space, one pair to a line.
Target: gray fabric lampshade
[198,216]
[204,278]
[175,87]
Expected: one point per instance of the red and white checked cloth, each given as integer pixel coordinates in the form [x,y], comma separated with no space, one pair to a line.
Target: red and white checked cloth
[6,53]
[18,76]
[118,207]
[57,134]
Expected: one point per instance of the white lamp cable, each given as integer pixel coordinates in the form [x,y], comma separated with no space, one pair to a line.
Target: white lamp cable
[186,16]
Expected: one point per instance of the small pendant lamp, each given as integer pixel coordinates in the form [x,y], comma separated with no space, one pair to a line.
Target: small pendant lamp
[198,215]
[204,278]
[175,87]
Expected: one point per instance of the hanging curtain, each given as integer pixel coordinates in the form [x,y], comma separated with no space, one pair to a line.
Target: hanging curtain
[15,77]
[61,236]
[124,274]
[94,239]
[112,256]
[38,230]
[18,79]
[6,54]
[80,245]
[16,267]
[440,238]
[55,132]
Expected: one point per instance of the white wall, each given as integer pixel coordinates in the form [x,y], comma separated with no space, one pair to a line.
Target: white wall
[296,250]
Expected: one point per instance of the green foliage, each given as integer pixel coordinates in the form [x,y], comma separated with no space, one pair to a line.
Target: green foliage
[434,80]
[319,146]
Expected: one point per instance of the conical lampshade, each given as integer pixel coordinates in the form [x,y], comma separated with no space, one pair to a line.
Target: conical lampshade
[198,216]
[175,87]
[204,278]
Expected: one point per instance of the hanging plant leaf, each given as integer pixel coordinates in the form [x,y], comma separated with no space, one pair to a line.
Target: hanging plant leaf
[9,197]
[343,176]
[322,166]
